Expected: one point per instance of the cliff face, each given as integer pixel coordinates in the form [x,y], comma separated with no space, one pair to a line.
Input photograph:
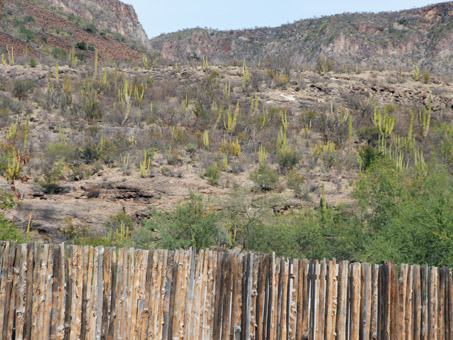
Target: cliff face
[111,15]
[389,40]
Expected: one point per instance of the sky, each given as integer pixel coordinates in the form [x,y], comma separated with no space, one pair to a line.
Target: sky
[166,16]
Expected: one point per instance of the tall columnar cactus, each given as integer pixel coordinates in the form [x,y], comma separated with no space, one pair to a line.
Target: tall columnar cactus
[206,139]
[425,119]
[262,155]
[383,122]
[145,166]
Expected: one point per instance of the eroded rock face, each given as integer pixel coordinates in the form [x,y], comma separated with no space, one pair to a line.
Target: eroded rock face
[387,40]
[112,15]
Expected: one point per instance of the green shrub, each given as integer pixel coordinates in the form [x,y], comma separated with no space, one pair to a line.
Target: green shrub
[4,117]
[295,182]
[190,225]
[8,232]
[21,88]
[287,160]
[59,53]
[33,63]
[367,156]
[114,222]
[213,174]
[81,46]
[265,178]
[425,77]
[370,134]
[28,35]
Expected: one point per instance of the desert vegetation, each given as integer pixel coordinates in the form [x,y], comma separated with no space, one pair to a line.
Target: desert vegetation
[320,162]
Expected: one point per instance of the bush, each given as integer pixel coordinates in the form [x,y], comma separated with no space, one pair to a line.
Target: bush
[21,88]
[295,182]
[190,225]
[425,77]
[287,160]
[8,232]
[367,156]
[81,46]
[59,53]
[370,134]
[265,178]
[115,223]
[213,174]
[33,63]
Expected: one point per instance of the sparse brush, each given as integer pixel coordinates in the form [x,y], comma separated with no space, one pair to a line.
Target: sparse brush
[307,130]
[231,148]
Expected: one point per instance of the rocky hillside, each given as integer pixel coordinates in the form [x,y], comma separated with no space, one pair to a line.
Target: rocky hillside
[42,32]
[390,40]
[112,15]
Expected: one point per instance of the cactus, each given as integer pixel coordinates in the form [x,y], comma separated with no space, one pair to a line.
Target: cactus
[245,75]
[416,73]
[206,139]
[419,162]
[57,72]
[425,119]
[10,54]
[205,64]
[145,61]
[254,104]
[262,155]
[384,123]
[72,58]
[145,166]
[322,149]
[96,60]
[350,131]
[307,130]
[231,148]
[230,119]
[284,116]
[139,93]
[125,99]
[27,130]
[225,163]
[227,91]
[411,127]
[265,117]
[13,166]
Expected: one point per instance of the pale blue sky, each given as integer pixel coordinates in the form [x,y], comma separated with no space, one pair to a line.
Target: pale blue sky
[165,16]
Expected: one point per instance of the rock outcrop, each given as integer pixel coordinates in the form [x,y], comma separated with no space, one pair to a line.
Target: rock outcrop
[112,15]
[389,40]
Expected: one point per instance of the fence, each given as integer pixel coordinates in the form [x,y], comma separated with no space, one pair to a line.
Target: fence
[71,292]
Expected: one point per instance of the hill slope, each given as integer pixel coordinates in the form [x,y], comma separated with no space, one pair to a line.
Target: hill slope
[112,15]
[40,31]
[388,40]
